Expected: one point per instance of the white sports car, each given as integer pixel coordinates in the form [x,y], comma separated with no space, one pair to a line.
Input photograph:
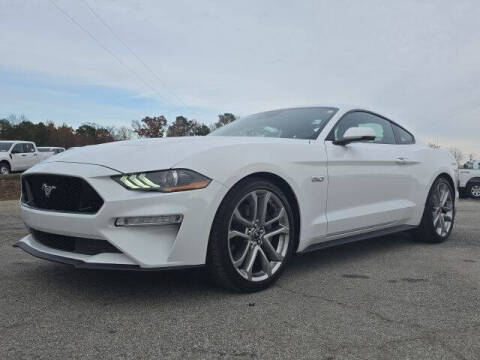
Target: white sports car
[242,200]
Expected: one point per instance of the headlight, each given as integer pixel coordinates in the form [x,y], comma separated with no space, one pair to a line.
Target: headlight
[163,181]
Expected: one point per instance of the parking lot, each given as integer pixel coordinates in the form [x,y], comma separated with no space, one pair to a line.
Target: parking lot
[379,299]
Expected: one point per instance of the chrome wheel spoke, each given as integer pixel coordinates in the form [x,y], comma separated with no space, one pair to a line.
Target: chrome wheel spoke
[442,224]
[282,230]
[276,218]
[238,263]
[270,251]
[254,205]
[444,198]
[248,265]
[235,233]
[241,219]
[263,205]
[266,267]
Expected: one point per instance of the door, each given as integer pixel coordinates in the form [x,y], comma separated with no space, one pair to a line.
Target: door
[19,157]
[369,185]
[32,156]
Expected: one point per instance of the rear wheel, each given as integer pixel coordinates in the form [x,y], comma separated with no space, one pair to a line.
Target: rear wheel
[252,236]
[439,215]
[473,190]
[4,168]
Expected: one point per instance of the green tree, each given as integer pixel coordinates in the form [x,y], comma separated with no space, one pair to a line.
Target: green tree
[184,127]
[223,119]
[200,129]
[180,127]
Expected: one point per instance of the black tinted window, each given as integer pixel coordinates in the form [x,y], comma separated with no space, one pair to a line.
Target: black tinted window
[382,127]
[403,136]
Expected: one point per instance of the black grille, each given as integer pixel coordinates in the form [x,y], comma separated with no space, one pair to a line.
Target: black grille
[60,193]
[74,244]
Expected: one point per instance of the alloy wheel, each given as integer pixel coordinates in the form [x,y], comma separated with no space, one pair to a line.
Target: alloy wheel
[442,209]
[475,191]
[4,170]
[258,235]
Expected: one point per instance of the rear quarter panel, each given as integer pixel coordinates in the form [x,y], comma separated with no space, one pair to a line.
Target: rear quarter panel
[431,164]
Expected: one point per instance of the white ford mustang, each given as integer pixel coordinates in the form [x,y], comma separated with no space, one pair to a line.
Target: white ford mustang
[241,200]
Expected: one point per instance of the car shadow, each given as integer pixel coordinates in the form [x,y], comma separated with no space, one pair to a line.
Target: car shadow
[138,285]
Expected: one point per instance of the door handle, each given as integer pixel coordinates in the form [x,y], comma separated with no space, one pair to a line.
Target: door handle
[24,154]
[401,161]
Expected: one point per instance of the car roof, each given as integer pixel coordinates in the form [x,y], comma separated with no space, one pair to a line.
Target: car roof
[341,107]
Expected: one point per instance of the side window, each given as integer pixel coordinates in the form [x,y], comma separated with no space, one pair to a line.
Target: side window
[382,127]
[29,148]
[18,149]
[403,136]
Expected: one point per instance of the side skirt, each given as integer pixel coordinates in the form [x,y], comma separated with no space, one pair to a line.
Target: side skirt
[359,237]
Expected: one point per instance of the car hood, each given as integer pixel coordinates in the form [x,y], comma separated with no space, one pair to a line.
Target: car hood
[151,154]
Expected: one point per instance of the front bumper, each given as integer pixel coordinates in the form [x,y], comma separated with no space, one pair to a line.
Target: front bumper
[146,247]
[107,261]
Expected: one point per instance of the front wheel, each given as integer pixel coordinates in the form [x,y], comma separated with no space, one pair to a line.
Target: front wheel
[4,168]
[439,214]
[252,236]
[473,189]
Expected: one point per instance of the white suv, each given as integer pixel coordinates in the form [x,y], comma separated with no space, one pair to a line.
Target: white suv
[17,156]
[469,179]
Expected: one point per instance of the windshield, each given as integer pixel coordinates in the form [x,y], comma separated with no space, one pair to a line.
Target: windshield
[301,123]
[42,149]
[5,146]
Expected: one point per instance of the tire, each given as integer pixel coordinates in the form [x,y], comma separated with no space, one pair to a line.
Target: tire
[236,238]
[473,190]
[438,220]
[4,168]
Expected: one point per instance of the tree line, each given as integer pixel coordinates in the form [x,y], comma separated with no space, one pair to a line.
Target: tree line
[49,134]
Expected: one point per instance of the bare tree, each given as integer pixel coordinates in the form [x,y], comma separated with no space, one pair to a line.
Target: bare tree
[122,133]
[457,154]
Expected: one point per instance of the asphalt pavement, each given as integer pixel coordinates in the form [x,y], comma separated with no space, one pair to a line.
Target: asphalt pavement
[386,298]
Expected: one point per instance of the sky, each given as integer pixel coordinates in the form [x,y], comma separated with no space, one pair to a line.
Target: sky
[114,61]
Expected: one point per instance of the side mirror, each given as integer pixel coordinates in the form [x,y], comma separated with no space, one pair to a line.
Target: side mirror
[356,134]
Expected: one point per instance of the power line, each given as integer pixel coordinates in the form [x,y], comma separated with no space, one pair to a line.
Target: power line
[149,86]
[133,52]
